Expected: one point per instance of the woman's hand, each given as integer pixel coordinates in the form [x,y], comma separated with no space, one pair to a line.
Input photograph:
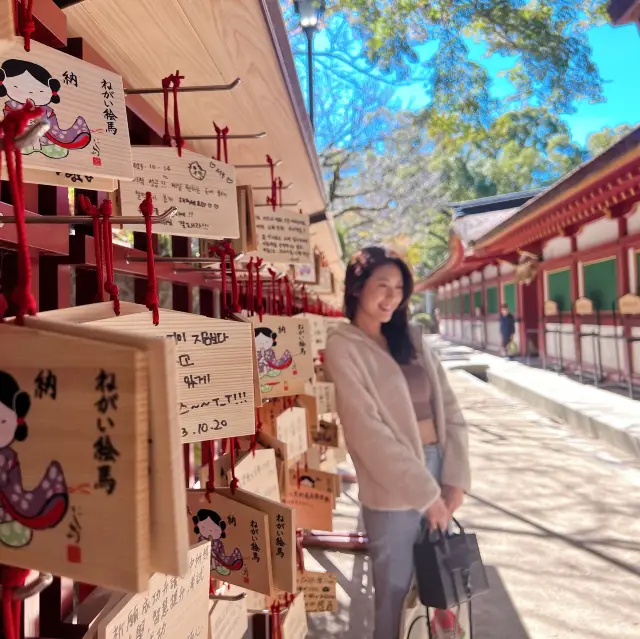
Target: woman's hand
[438,515]
[453,498]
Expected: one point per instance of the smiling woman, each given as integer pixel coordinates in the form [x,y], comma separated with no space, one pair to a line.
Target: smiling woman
[402,424]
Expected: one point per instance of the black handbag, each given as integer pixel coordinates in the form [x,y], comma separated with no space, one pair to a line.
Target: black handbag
[449,569]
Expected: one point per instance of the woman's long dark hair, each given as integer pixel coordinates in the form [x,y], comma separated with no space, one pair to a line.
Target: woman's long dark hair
[396,331]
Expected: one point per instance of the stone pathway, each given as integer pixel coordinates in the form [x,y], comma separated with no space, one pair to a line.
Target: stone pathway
[558,518]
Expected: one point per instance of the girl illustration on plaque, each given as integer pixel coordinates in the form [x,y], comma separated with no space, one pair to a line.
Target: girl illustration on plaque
[21,510]
[269,365]
[21,81]
[209,526]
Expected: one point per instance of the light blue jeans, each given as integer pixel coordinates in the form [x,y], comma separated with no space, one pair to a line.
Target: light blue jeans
[392,534]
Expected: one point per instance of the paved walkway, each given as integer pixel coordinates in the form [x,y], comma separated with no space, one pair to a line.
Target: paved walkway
[558,517]
[596,412]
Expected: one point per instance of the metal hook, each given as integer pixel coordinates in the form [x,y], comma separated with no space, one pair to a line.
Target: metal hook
[239,597]
[257,166]
[268,188]
[87,219]
[290,204]
[44,580]
[31,134]
[179,260]
[207,88]
[242,136]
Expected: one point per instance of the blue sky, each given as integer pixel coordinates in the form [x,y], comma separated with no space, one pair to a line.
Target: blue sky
[616,51]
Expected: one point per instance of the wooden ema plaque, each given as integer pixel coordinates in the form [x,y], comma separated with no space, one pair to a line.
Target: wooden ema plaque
[325,283]
[214,370]
[325,393]
[7,25]
[327,434]
[294,619]
[283,460]
[247,242]
[629,304]
[291,428]
[256,473]
[202,189]
[239,539]
[228,619]
[283,236]
[308,273]
[314,508]
[282,535]
[317,479]
[170,607]
[318,328]
[319,590]
[85,108]
[166,464]
[550,308]
[283,353]
[74,464]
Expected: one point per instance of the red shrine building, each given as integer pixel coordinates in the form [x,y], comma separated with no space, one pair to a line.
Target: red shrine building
[566,261]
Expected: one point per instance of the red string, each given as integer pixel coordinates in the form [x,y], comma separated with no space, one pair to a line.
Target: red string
[280,192]
[298,475]
[288,296]
[172,81]
[10,579]
[250,298]
[146,208]
[274,300]
[106,211]
[222,142]
[210,454]
[27,24]
[12,126]
[234,479]
[220,250]
[299,551]
[305,300]
[235,302]
[276,621]
[259,300]
[90,210]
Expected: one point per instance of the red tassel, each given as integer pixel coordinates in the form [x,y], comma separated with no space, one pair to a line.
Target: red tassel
[146,208]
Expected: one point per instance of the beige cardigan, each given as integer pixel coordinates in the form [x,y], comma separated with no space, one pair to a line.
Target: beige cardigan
[380,426]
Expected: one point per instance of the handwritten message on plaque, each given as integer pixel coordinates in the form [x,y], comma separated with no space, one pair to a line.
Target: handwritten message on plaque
[202,189]
[319,590]
[283,236]
[214,371]
[291,428]
[83,104]
[325,393]
[171,606]
[313,507]
[228,619]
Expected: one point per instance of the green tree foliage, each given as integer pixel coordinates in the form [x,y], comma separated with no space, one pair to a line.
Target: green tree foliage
[599,142]
[544,41]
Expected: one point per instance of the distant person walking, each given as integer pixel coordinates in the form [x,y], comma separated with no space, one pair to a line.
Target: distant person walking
[402,424]
[507,328]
